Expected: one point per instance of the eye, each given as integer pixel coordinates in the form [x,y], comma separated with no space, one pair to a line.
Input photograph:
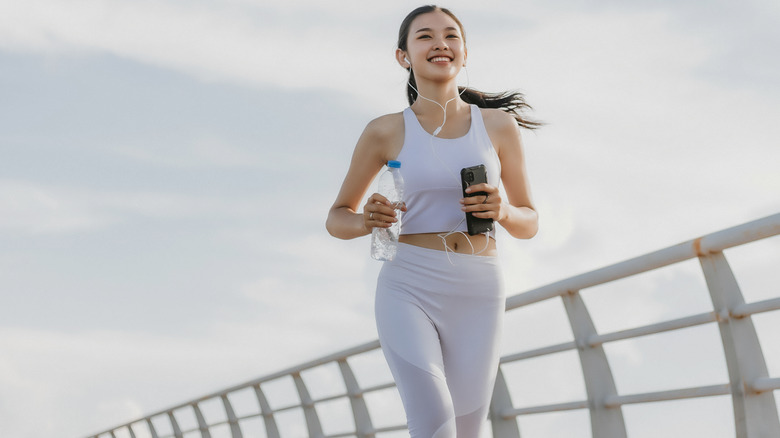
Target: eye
[453,36]
[423,37]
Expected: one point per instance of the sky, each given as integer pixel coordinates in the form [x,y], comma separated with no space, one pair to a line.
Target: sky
[167,167]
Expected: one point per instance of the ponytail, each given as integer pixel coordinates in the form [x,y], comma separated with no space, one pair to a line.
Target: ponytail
[512,102]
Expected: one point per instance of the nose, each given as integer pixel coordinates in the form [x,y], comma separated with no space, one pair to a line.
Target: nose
[440,44]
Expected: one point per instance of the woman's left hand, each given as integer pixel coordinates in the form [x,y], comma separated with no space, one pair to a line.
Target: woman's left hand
[482,206]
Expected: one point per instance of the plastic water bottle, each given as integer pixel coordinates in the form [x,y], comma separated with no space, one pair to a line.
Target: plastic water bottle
[384,241]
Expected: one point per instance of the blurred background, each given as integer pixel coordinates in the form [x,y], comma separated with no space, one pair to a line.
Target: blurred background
[166,169]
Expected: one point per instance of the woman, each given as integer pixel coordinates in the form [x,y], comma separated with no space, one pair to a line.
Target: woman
[440,303]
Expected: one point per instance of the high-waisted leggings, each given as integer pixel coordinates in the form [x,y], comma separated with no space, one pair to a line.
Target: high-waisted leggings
[439,322]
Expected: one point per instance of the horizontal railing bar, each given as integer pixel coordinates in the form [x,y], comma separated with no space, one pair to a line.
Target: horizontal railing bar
[718,241]
[286,408]
[763,384]
[320,400]
[333,357]
[618,400]
[339,355]
[378,387]
[744,310]
[358,393]
[508,414]
[674,324]
[330,397]
[342,434]
[386,429]
[552,349]
[248,416]
[674,394]
[741,234]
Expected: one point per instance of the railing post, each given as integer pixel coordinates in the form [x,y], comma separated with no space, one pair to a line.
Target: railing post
[363,425]
[175,425]
[235,428]
[502,401]
[130,429]
[202,425]
[755,414]
[605,422]
[312,419]
[271,431]
[152,430]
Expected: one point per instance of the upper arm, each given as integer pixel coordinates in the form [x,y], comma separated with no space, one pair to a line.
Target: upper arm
[505,135]
[379,142]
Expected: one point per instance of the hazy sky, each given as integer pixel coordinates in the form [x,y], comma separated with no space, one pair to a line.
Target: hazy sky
[166,168]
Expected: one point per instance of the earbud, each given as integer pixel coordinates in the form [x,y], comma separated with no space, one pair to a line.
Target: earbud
[407,61]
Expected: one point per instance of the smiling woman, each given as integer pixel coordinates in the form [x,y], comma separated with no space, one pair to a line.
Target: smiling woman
[512,102]
[440,302]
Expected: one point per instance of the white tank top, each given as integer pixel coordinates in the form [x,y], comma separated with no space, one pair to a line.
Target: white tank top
[431,168]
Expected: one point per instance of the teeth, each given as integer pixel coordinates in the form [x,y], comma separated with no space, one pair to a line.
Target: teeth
[439,58]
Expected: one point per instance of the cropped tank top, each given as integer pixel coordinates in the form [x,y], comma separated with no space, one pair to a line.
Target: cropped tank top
[431,168]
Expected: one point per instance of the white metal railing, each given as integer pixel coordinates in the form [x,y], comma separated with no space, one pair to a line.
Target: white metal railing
[750,386]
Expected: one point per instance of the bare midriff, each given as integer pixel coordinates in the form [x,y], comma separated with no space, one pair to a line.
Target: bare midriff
[457,242]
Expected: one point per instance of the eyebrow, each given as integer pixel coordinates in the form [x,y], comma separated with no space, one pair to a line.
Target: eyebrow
[428,29]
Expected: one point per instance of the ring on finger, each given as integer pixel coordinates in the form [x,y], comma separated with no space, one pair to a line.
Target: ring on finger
[486,198]
[371,216]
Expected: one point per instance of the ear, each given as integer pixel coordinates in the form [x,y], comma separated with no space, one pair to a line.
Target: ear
[465,56]
[399,56]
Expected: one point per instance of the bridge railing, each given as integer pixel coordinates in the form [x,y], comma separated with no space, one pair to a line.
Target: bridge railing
[749,384]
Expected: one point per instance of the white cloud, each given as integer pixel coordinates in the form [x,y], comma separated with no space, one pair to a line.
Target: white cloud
[34,208]
[203,151]
[213,43]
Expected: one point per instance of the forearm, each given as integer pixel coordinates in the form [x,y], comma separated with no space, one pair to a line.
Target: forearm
[345,223]
[520,222]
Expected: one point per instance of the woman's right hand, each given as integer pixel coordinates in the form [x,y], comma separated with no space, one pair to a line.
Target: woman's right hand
[380,212]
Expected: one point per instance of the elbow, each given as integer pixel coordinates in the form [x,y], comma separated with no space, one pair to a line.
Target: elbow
[330,226]
[530,226]
[335,227]
[533,226]
[532,231]
[526,232]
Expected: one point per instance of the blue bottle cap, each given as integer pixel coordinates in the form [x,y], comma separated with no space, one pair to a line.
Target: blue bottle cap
[393,163]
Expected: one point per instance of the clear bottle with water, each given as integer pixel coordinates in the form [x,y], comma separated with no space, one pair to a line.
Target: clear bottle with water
[384,241]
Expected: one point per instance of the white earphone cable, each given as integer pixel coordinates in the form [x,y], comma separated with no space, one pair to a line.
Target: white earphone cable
[444,236]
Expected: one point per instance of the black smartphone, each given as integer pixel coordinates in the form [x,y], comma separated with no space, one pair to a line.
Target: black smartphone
[470,176]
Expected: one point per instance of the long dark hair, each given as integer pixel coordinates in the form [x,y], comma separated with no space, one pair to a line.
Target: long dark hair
[512,102]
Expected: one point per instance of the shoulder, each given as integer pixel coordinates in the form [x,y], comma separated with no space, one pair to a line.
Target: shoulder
[498,120]
[501,128]
[383,137]
[386,126]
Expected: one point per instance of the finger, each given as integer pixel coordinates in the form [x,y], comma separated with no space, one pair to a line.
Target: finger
[490,214]
[481,187]
[377,198]
[380,214]
[480,199]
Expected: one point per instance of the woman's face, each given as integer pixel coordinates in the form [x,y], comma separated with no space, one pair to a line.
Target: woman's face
[435,46]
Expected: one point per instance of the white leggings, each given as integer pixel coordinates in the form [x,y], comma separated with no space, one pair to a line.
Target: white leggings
[439,325]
